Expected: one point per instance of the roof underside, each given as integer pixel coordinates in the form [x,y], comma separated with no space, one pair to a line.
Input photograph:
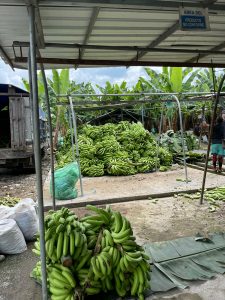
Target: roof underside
[127,32]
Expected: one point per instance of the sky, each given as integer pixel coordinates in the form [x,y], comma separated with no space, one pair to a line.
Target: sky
[94,75]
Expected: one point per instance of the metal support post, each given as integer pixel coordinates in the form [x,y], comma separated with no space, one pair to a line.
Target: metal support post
[142,115]
[182,136]
[203,117]
[50,133]
[159,138]
[76,142]
[71,134]
[210,137]
[37,150]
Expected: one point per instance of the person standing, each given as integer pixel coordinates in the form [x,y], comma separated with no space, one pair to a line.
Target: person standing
[217,150]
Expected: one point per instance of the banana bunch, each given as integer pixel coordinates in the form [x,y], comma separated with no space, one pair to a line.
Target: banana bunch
[64,235]
[61,283]
[87,151]
[93,254]
[115,149]
[94,170]
[36,272]
[120,167]
[37,250]
[165,157]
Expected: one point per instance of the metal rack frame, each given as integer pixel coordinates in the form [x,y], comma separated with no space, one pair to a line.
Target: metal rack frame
[32,66]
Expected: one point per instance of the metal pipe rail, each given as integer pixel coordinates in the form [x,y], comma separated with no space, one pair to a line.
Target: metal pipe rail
[137,94]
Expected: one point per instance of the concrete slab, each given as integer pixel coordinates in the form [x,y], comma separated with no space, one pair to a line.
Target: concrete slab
[109,189]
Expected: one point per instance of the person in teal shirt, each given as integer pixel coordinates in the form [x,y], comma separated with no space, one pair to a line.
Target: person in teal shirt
[217,149]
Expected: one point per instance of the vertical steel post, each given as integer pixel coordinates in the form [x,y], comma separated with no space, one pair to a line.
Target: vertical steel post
[203,116]
[182,136]
[142,114]
[159,138]
[37,149]
[210,136]
[50,133]
[71,134]
[76,142]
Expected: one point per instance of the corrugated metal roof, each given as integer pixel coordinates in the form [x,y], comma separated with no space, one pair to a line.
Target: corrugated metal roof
[133,23]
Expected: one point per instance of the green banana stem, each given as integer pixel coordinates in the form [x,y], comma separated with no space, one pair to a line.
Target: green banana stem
[98,243]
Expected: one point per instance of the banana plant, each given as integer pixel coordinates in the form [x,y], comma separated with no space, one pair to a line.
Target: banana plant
[169,80]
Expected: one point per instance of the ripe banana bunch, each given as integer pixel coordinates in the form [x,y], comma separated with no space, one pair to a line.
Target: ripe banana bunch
[61,283]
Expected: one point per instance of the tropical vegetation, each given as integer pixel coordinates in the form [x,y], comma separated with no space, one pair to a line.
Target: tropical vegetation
[169,80]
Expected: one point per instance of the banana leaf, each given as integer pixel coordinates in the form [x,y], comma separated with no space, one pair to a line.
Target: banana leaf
[175,263]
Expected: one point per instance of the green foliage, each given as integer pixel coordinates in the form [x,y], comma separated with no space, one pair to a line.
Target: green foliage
[173,142]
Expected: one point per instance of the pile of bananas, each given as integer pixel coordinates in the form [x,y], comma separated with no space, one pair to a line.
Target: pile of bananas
[95,254]
[9,201]
[115,149]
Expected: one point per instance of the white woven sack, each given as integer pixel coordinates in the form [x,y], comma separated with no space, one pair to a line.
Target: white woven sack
[11,238]
[27,220]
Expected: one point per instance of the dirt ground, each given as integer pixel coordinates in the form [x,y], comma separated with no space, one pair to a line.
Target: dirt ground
[16,183]
[168,218]
[165,219]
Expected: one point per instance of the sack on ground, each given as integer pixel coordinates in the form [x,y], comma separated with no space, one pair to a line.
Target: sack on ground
[24,213]
[65,180]
[11,238]
[26,218]
[5,212]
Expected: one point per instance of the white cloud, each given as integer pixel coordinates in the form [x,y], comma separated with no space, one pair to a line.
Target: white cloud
[94,75]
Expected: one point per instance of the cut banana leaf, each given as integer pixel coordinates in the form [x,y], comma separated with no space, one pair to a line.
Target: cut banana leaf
[175,263]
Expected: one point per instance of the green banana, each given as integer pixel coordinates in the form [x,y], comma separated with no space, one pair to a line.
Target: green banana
[83,261]
[94,267]
[77,238]
[59,291]
[72,243]
[135,284]
[51,245]
[69,277]
[141,276]
[65,244]
[92,290]
[59,246]
[108,238]
[59,284]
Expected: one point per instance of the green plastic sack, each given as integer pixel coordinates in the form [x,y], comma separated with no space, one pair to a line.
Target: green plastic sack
[65,181]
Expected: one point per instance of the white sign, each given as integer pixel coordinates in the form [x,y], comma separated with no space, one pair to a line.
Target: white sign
[192,18]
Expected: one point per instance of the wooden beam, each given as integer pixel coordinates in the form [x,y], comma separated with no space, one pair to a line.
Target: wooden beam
[89,62]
